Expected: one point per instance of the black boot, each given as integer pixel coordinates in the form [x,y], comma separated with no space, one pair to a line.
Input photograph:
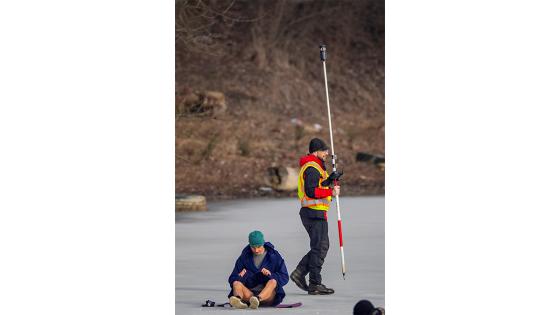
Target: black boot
[299,279]
[319,289]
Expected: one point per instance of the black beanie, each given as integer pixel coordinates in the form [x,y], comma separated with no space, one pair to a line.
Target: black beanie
[317,144]
[364,307]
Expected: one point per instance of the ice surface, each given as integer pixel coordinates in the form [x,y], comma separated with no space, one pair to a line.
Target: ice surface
[208,243]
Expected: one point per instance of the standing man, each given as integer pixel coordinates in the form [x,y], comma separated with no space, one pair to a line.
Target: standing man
[315,195]
[258,276]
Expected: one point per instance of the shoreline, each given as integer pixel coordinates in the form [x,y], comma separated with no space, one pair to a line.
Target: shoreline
[268,193]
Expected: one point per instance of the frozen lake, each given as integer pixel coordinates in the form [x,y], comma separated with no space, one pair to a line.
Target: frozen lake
[208,243]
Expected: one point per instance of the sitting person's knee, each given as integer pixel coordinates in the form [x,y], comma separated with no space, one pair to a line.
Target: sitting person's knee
[237,283]
[272,282]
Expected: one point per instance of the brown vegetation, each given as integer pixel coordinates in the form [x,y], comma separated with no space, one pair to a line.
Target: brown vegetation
[264,57]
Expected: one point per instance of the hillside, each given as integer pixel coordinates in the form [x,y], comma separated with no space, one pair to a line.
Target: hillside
[264,57]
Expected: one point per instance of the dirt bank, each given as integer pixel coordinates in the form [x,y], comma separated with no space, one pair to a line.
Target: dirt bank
[264,58]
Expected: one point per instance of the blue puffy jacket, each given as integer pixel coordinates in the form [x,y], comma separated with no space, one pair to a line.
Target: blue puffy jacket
[273,261]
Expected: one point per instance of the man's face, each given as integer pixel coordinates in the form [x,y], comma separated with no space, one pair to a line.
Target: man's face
[323,155]
[258,250]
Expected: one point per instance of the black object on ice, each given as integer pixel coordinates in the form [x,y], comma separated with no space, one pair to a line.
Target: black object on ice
[210,303]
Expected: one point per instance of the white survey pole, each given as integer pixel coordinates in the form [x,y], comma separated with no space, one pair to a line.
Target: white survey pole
[323,49]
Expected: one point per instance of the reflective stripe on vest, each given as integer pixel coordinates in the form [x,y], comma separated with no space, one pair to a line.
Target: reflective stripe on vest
[312,203]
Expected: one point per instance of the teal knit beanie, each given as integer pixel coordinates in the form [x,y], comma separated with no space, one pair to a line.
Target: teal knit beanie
[256,239]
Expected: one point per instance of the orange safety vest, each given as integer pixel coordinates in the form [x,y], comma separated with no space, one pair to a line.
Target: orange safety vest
[312,203]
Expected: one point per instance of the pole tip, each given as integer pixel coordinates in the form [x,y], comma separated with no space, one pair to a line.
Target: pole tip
[323,50]
[343,276]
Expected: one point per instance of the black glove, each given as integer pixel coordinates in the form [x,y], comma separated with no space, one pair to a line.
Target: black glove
[335,175]
[332,177]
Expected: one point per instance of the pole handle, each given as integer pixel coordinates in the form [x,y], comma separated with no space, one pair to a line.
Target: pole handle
[323,49]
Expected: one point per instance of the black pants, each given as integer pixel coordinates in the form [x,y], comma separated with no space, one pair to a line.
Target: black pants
[312,262]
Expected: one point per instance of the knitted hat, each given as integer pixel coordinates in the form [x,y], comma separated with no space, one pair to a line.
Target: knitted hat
[317,144]
[256,239]
[364,307]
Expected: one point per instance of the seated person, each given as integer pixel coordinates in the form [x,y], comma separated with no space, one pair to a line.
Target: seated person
[258,276]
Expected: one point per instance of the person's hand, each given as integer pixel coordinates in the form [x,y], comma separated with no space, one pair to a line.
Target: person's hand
[335,175]
[336,191]
[265,272]
[242,273]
